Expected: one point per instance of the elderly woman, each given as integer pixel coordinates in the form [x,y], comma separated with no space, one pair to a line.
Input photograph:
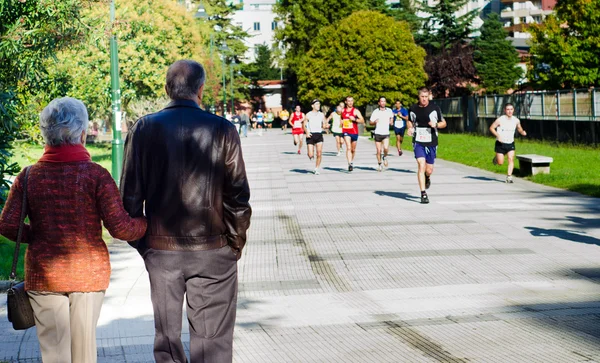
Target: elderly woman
[67,267]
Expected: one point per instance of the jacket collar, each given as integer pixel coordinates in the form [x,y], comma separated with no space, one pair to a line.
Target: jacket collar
[182,103]
[65,154]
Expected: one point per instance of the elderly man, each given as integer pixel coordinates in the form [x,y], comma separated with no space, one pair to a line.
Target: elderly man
[183,167]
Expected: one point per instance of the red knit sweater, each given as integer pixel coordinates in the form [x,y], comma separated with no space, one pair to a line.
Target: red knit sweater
[67,201]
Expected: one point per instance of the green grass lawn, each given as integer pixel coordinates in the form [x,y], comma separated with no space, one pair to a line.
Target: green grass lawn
[26,154]
[575,168]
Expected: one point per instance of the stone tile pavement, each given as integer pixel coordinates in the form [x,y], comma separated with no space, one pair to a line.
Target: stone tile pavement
[349,267]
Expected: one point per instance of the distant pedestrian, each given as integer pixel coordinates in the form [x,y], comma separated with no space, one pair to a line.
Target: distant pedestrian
[504,130]
[244,121]
[184,167]
[67,266]
[314,123]
[335,118]
[425,119]
[351,117]
[269,118]
[284,115]
[297,120]
[236,120]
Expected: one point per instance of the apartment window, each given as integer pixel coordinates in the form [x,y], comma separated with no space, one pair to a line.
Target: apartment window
[523,20]
[257,26]
[273,25]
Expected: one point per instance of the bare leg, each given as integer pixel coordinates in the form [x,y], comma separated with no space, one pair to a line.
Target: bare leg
[421,173]
[399,140]
[511,162]
[319,154]
[353,152]
[386,146]
[499,159]
[378,148]
[348,142]
[338,143]
[311,151]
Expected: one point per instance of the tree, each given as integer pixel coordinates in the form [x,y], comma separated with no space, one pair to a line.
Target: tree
[495,58]
[443,29]
[262,68]
[451,72]
[305,18]
[565,47]
[404,10]
[366,55]
[228,34]
[151,36]
[30,33]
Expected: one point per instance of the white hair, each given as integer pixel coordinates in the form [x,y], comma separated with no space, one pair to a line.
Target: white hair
[63,121]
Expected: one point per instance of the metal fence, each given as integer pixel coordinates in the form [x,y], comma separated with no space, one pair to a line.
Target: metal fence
[563,116]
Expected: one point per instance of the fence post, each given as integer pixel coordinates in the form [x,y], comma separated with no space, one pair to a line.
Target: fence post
[593,118]
[557,112]
[543,116]
[574,116]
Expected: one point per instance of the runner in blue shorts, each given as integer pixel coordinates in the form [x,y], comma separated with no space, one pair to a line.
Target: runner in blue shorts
[400,118]
[424,120]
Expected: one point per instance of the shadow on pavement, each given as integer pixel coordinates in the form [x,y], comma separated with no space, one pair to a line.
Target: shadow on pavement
[339,170]
[369,168]
[290,153]
[483,178]
[573,236]
[301,171]
[399,195]
[402,170]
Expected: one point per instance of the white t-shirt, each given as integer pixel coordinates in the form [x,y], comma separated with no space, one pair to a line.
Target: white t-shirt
[315,121]
[336,125]
[382,117]
[506,129]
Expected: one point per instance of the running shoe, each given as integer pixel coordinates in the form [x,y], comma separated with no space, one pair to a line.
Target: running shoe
[379,168]
[339,153]
[350,167]
[399,152]
[509,179]
[299,152]
[494,161]
[424,199]
[427,182]
[316,171]
[385,161]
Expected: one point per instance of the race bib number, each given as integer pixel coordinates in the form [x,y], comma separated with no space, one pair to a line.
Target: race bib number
[347,123]
[297,124]
[423,134]
[399,123]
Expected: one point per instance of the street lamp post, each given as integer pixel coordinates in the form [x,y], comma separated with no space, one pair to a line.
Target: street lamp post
[232,90]
[117,142]
[223,50]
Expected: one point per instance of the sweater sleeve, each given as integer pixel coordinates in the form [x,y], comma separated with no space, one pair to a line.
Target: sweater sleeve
[116,220]
[11,214]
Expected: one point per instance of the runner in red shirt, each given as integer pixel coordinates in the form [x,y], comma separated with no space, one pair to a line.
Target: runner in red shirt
[296,121]
[351,117]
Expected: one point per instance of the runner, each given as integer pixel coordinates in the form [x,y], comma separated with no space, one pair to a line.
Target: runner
[314,123]
[383,118]
[425,118]
[400,118]
[270,117]
[504,129]
[284,115]
[351,117]
[335,118]
[260,121]
[296,122]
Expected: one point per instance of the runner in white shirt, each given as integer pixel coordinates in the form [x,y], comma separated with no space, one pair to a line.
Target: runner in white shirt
[383,118]
[504,130]
[314,124]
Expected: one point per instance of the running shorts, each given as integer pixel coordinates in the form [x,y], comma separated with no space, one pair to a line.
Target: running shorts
[400,131]
[380,138]
[336,134]
[429,153]
[297,131]
[502,148]
[353,137]
[314,139]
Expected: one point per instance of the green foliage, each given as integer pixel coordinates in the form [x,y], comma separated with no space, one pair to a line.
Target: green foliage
[366,55]
[443,29]
[262,68]
[151,36]
[30,32]
[228,35]
[404,10]
[305,18]
[566,46]
[495,58]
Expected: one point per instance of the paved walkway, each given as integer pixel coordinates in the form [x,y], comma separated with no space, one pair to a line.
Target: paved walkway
[346,267]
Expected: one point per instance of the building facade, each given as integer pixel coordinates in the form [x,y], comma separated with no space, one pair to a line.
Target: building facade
[258,19]
[518,14]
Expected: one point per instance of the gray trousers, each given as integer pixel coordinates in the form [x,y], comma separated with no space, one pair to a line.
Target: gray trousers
[209,281]
[66,325]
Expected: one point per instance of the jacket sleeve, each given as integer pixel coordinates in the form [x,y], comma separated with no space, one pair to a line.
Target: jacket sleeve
[116,220]
[236,192]
[11,214]
[132,191]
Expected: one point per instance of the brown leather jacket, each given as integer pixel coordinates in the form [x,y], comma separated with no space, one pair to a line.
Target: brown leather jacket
[184,168]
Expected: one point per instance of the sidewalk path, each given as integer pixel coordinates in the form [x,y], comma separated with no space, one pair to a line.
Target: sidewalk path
[345,267]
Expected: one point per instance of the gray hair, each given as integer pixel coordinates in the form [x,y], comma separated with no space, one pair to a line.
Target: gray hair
[63,121]
[184,79]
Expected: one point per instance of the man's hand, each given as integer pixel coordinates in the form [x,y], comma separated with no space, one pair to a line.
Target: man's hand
[411,132]
[433,124]
[352,118]
[308,134]
[524,133]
